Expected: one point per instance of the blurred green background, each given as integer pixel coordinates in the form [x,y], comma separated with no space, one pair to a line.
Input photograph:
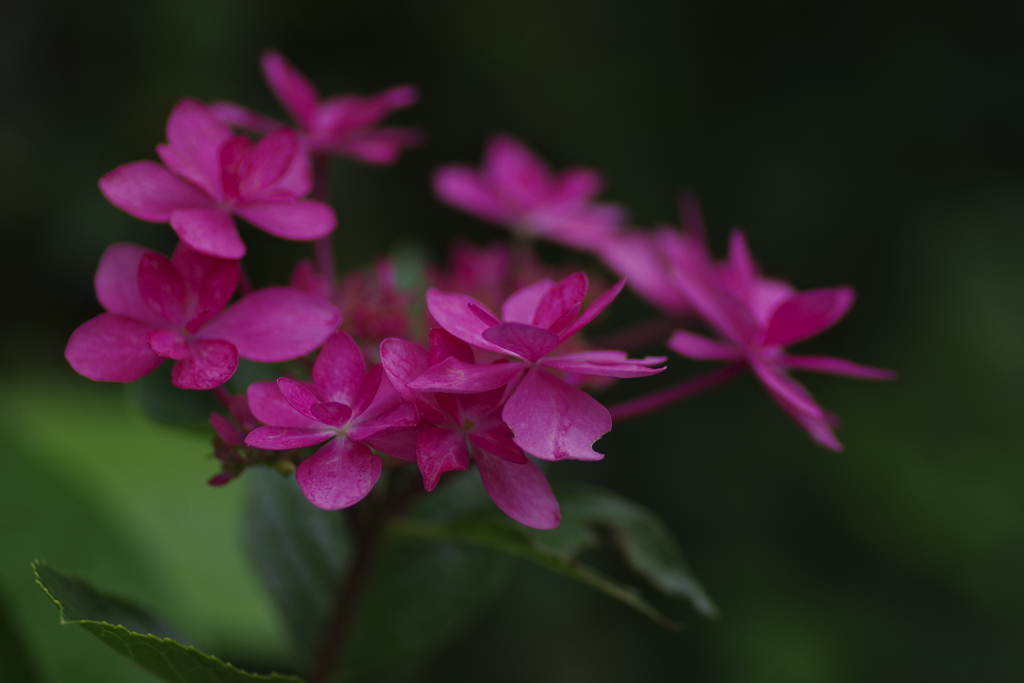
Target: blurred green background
[876,144]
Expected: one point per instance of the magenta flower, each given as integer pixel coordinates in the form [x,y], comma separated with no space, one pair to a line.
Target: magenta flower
[756,318]
[454,425]
[159,308]
[550,418]
[347,407]
[515,188]
[214,175]
[343,124]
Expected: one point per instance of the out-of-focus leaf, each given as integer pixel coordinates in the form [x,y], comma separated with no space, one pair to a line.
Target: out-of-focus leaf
[637,532]
[421,597]
[105,618]
[160,400]
[15,664]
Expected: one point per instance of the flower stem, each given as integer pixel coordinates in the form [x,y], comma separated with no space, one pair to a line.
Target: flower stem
[643,405]
[323,248]
[365,523]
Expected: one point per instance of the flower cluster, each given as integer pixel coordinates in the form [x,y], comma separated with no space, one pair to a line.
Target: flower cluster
[487,364]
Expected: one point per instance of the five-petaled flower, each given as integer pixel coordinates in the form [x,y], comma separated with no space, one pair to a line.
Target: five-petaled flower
[215,175]
[454,425]
[159,308]
[551,419]
[516,189]
[343,124]
[756,318]
[348,407]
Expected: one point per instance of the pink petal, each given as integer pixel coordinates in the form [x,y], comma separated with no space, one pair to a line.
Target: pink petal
[808,314]
[150,192]
[338,475]
[226,430]
[521,305]
[444,345]
[209,231]
[520,490]
[526,341]
[296,94]
[731,317]
[370,425]
[111,348]
[270,407]
[298,179]
[560,299]
[400,443]
[162,288]
[691,219]
[210,281]
[275,324]
[818,428]
[459,186]
[117,284]
[439,451]
[169,344]
[211,363]
[194,138]
[268,160]
[499,444]
[453,376]
[553,420]
[579,184]
[299,221]
[835,366]
[331,414]
[635,256]
[378,147]
[453,313]
[374,387]
[742,270]
[403,361]
[340,370]
[699,347]
[600,303]
[597,364]
[241,117]
[287,438]
[786,391]
[300,395]
[518,174]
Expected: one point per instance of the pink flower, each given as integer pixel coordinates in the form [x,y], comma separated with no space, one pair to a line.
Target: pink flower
[551,419]
[515,188]
[159,308]
[214,175]
[756,318]
[453,425]
[347,407]
[342,124]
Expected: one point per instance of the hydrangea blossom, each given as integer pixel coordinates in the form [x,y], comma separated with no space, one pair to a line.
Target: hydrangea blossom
[210,175]
[454,425]
[550,418]
[177,309]
[343,124]
[756,318]
[516,189]
[346,406]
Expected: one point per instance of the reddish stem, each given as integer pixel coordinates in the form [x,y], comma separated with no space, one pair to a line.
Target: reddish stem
[222,395]
[643,405]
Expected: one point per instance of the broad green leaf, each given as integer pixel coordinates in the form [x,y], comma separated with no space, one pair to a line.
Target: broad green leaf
[638,533]
[421,596]
[15,664]
[137,635]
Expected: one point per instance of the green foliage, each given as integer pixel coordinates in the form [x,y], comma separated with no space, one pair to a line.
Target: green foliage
[136,634]
[157,398]
[421,597]
[635,531]
[15,664]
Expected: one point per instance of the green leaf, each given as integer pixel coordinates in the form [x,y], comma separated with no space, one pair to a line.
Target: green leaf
[158,399]
[137,635]
[637,532]
[420,598]
[15,664]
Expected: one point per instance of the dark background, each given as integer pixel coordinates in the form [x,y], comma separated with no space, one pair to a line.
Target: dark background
[874,144]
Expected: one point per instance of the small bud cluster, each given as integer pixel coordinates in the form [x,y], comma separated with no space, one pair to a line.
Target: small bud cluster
[490,369]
